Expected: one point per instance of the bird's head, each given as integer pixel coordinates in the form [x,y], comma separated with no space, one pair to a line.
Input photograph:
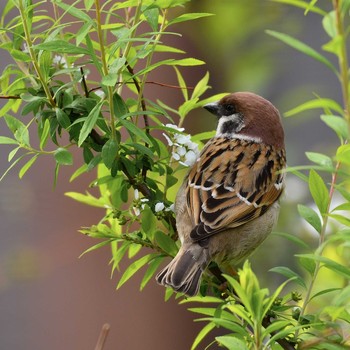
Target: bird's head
[248,116]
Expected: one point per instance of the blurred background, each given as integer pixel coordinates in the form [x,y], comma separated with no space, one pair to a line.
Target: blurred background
[51,299]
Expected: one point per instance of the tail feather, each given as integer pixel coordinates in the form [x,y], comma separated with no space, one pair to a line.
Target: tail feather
[184,272]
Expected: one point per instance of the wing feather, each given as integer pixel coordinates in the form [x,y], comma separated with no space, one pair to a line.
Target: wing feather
[233,182]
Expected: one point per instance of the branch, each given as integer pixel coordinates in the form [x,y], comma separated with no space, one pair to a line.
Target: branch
[102,337]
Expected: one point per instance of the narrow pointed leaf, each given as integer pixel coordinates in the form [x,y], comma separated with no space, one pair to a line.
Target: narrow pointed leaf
[302,47]
[89,123]
[27,165]
[310,216]
[319,191]
[134,267]
[202,334]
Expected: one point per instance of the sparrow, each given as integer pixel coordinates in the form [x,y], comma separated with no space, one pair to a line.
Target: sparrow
[229,200]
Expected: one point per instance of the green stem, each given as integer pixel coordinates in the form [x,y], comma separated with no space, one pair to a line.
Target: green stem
[344,80]
[150,57]
[105,69]
[33,56]
[343,60]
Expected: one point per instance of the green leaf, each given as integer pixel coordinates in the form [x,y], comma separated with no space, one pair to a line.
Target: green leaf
[328,263]
[96,246]
[341,218]
[74,11]
[19,130]
[119,106]
[323,103]
[325,291]
[231,342]
[311,217]
[82,33]
[201,87]
[319,191]
[337,124]
[308,264]
[62,118]
[78,172]
[165,48]
[87,199]
[135,131]
[343,154]
[292,238]
[303,5]
[148,222]
[165,243]
[27,165]
[320,159]
[287,272]
[20,55]
[203,136]
[344,206]
[152,268]
[44,134]
[89,123]
[109,152]
[329,24]
[200,336]
[182,84]
[110,79]
[7,141]
[63,156]
[61,46]
[134,267]
[302,47]
[152,14]
[189,17]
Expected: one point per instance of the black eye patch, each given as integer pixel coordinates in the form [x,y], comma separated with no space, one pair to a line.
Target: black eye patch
[228,109]
[230,126]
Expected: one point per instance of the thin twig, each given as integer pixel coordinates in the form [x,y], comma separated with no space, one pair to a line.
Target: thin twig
[102,337]
[138,88]
[83,82]
[10,97]
[143,106]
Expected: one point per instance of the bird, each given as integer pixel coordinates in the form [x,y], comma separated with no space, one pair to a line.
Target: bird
[229,200]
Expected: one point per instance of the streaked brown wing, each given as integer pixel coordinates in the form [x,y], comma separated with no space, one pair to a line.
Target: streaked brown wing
[234,181]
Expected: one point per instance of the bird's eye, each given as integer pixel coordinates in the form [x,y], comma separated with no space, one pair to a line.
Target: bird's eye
[230,109]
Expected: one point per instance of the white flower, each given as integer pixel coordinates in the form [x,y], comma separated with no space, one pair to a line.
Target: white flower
[59,61]
[136,194]
[136,211]
[176,156]
[25,48]
[171,208]
[181,151]
[170,143]
[182,139]
[175,127]
[159,207]
[100,93]
[190,158]
[191,145]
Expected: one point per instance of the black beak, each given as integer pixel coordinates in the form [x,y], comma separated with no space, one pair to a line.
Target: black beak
[213,108]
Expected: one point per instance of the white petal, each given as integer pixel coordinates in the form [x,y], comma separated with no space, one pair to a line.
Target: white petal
[175,156]
[190,158]
[170,143]
[175,127]
[182,139]
[159,207]
[136,193]
[136,211]
[181,151]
